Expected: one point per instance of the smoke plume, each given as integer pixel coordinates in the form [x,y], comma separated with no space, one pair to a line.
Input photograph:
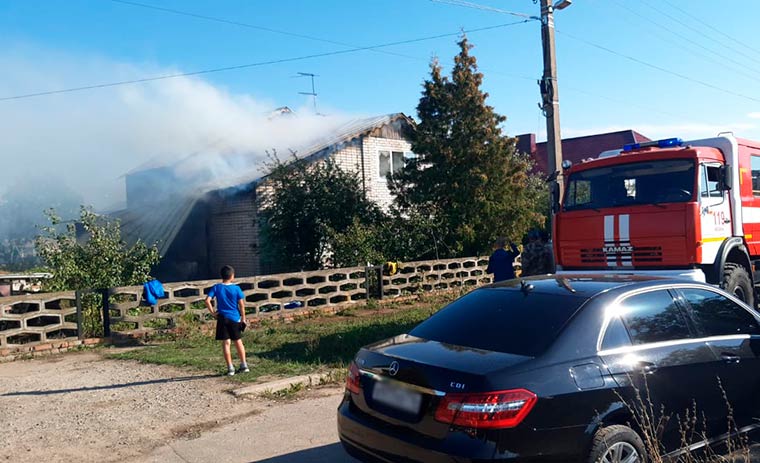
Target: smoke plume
[84,142]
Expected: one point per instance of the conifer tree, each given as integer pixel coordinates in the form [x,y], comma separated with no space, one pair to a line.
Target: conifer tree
[467,176]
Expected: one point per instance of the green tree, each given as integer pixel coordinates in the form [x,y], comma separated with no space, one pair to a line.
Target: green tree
[96,259]
[468,177]
[305,203]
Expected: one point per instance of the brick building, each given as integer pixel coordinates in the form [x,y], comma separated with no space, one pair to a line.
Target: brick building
[578,148]
[198,229]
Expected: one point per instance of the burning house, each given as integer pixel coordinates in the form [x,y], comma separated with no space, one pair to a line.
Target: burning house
[201,222]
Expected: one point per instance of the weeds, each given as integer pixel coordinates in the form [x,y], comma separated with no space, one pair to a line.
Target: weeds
[651,420]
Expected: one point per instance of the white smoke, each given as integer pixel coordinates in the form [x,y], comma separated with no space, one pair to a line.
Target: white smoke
[87,140]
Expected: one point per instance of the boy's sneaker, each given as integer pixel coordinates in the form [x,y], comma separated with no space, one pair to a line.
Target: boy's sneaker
[243,368]
[230,371]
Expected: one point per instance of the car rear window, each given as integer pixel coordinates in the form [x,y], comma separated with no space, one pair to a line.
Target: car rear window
[501,320]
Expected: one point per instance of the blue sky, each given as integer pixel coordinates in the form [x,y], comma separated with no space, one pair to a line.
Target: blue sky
[58,44]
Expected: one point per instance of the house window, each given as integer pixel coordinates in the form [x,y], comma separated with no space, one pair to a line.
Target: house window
[390,162]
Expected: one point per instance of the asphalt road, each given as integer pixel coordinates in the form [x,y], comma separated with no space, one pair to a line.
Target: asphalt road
[302,431]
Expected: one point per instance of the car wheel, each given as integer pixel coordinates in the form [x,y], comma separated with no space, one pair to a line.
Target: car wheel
[737,282]
[617,444]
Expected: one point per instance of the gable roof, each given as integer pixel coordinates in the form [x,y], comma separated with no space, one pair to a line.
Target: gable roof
[161,221]
[320,147]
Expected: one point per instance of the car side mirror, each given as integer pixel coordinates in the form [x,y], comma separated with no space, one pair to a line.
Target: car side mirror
[725,178]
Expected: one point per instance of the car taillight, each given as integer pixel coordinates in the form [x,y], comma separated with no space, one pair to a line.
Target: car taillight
[500,409]
[353,380]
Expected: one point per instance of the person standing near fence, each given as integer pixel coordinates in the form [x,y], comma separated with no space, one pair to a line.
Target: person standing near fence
[230,317]
[537,256]
[501,262]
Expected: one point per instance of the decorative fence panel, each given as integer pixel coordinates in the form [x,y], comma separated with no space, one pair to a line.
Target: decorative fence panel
[32,320]
[37,318]
[436,275]
[264,295]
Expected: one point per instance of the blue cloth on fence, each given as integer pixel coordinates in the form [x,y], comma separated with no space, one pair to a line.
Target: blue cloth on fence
[152,291]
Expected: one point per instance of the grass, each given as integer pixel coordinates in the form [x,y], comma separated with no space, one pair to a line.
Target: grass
[308,345]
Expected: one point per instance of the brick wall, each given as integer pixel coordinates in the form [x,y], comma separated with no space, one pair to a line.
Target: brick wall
[233,234]
[377,186]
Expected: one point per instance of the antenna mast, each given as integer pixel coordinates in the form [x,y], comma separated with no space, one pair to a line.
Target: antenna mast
[313,92]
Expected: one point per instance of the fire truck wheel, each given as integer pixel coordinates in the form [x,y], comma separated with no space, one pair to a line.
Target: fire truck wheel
[737,282]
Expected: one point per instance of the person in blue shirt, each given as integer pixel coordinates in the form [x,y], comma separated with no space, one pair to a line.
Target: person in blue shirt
[501,261]
[230,317]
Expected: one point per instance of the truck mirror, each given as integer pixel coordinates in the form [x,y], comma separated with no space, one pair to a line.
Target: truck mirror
[725,178]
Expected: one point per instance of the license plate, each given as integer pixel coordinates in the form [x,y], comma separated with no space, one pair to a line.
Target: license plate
[397,397]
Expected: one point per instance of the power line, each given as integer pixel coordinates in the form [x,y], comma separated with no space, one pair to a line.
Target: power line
[659,68]
[722,57]
[258,64]
[478,6]
[279,31]
[245,25]
[694,29]
[711,27]
[608,50]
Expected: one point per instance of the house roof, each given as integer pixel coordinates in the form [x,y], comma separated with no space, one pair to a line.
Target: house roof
[579,148]
[316,149]
[161,222]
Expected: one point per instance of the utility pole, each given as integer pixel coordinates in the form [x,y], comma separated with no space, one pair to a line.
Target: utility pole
[550,95]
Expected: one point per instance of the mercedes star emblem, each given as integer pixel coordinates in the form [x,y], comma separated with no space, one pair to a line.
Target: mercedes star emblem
[393,368]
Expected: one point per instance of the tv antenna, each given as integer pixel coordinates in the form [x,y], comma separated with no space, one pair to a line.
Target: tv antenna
[313,92]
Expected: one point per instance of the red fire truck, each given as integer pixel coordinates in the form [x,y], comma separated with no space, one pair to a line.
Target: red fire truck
[686,209]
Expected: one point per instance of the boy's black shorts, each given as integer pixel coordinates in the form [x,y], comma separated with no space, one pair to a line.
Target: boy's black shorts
[227,329]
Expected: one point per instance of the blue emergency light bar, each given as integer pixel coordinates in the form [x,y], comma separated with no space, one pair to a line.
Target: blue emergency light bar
[665,143]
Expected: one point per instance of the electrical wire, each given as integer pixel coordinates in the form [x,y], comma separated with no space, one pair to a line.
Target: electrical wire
[711,27]
[608,50]
[698,31]
[647,20]
[478,6]
[279,31]
[720,60]
[658,68]
[258,64]
[246,25]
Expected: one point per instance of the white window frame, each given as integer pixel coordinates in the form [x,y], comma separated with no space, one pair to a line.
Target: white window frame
[406,156]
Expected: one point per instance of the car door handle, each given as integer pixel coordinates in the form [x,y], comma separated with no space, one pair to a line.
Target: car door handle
[730,358]
[647,367]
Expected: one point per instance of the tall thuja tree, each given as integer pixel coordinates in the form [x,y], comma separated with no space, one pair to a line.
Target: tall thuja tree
[468,176]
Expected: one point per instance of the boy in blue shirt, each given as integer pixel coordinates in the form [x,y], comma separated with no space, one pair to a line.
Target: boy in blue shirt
[230,316]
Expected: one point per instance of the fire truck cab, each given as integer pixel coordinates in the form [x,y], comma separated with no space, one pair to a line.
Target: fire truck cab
[686,209]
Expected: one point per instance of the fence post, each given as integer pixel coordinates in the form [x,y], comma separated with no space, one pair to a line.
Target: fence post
[374,272]
[379,270]
[80,317]
[106,312]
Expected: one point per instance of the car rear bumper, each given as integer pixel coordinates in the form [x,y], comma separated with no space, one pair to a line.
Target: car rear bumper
[367,441]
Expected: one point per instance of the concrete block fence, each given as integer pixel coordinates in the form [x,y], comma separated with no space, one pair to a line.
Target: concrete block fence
[52,321]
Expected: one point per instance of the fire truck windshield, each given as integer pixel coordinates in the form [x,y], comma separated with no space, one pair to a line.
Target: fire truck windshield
[652,182]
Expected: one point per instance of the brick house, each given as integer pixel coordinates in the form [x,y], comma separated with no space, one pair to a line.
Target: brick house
[199,230]
[578,148]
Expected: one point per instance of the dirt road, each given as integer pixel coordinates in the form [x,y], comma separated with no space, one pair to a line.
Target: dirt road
[82,407]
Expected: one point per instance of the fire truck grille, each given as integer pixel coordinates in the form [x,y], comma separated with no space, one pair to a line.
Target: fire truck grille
[640,255]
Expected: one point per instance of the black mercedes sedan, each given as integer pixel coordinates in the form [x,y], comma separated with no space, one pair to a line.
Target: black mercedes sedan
[556,368]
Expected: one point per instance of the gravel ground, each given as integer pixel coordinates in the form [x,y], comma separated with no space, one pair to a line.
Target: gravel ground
[82,407]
